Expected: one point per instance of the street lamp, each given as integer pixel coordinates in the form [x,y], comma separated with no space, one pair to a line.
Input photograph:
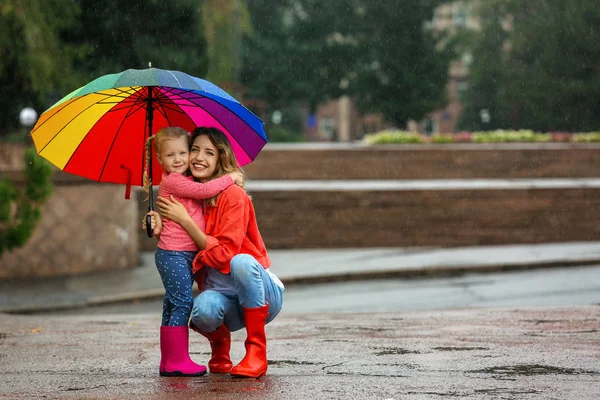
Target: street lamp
[485,116]
[27,117]
[276,117]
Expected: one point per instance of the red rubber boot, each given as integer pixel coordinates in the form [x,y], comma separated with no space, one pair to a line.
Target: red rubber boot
[220,343]
[254,364]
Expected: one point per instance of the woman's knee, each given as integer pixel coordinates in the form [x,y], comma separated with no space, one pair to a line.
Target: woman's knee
[207,312]
[244,266]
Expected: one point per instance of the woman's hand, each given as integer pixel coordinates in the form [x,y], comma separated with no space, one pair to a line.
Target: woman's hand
[176,212]
[173,210]
[156,223]
[238,178]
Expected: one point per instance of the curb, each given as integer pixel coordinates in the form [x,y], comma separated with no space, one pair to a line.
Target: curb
[437,272]
[428,272]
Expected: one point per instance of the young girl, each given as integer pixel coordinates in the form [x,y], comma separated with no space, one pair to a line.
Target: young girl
[237,289]
[176,249]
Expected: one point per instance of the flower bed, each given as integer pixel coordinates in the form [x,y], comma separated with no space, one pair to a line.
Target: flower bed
[498,136]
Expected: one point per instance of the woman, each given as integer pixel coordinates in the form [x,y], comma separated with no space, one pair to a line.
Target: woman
[237,289]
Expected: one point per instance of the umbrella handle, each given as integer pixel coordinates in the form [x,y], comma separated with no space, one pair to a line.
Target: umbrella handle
[149,225]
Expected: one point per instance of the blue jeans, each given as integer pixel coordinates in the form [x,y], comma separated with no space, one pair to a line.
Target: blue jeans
[175,269]
[254,288]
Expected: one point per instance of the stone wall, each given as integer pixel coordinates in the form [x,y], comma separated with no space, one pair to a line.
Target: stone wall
[84,227]
[444,218]
[463,161]
[321,219]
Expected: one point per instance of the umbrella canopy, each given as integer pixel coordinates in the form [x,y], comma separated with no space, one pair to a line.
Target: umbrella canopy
[99,130]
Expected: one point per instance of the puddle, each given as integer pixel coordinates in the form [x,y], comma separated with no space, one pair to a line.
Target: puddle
[529,370]
[459,348]
[201,353]
[293,362]
[396,351]
[545,321]
[104,322]
[506,391]
[440,394]
[351,328]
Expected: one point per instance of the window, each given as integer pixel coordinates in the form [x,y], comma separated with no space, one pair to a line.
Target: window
[327,128]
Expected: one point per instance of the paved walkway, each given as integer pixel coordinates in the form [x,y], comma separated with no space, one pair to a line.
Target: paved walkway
[476,354]
[297,267]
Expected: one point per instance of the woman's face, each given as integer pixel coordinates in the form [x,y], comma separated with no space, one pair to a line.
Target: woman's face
[203,158]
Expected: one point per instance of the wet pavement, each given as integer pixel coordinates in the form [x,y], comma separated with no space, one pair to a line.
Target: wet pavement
[538,353]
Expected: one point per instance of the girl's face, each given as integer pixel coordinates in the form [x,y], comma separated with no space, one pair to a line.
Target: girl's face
[174,155]
[203,158]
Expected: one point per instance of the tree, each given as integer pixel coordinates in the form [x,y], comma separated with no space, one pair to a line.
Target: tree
[19,209]
[377,52]
[131,34]
[487,73]
[225,22]
[288,57]
[400,72]
[548,73]
[33,60]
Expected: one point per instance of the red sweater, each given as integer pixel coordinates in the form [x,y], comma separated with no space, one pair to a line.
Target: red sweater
[231,229]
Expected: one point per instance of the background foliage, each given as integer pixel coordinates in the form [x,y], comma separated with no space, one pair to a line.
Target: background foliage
[535,65]
[19,208]
[377,52]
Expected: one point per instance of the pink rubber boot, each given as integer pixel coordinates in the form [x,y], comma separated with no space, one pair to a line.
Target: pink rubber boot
[174,351]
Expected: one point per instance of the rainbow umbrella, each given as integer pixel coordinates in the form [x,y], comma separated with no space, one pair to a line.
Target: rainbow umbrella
[99,130]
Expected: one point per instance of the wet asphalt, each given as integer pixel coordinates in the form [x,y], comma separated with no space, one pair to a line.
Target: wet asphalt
[479,353]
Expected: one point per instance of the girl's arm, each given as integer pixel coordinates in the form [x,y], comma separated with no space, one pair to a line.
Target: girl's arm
[176,212]
[180,186]
[218,248]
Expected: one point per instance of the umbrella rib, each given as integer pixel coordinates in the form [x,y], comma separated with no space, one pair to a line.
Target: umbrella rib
[139,102]
[168,106]
[67,124]
[101,101]
[130,112]
[49,118]
[199,96]
[162,111]
[100,176]
[168,103]
[218,120]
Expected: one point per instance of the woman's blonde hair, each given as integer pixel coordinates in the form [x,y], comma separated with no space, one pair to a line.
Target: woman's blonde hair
[226,162]
[171,132]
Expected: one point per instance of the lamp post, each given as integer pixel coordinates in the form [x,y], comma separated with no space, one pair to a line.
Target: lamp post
[485,116]
[27,118]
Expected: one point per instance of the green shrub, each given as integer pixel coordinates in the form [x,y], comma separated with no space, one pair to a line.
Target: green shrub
[498,136]
[277,134]
[586,137]
[19,209]
[442,138]
[501,136]
[390,137]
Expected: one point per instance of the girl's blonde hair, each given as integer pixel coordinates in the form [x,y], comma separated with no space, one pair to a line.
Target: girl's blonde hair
[171,132]
[226,162]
